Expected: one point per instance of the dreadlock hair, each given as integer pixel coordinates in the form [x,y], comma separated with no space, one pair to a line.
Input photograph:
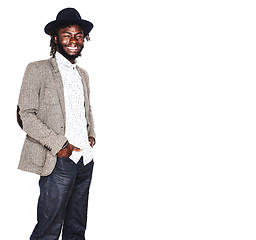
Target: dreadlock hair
[54,33]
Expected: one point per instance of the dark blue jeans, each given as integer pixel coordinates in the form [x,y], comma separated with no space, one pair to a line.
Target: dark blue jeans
[63,201]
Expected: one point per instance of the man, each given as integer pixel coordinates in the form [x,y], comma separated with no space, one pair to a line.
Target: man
[54,110]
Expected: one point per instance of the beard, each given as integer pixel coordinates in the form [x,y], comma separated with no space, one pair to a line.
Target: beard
[65,54]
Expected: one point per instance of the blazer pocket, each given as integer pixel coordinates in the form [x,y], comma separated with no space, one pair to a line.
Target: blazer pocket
[34,151]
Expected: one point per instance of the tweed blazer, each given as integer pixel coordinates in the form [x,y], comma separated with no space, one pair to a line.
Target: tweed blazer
[41,109]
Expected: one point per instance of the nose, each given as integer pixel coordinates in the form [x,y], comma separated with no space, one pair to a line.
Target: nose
[73,39]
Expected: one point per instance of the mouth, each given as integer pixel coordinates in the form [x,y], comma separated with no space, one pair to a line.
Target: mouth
[72,48]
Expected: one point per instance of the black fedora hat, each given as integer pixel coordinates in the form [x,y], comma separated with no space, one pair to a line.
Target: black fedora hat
[68,16]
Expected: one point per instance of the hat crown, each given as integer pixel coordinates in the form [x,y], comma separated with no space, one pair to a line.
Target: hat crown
[68,16]
[68,13]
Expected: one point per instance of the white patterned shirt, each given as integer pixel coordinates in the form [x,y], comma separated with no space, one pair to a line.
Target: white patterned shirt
[76,124]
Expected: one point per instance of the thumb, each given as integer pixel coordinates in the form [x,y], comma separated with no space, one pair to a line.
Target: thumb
[77,149]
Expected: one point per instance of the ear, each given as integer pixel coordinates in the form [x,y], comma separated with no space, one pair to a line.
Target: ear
[55,39]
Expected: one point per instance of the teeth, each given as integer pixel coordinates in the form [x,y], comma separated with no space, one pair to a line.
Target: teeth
[72,48]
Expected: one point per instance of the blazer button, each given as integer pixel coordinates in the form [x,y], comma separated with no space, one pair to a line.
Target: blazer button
[48,148]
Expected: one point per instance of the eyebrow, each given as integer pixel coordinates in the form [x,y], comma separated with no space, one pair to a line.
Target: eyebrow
[71,33]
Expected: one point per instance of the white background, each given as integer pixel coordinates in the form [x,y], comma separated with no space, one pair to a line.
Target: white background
[173,95]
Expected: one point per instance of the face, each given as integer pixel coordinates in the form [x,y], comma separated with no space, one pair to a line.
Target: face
[70,42]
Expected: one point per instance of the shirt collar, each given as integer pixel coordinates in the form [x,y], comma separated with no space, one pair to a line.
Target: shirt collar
[63,62]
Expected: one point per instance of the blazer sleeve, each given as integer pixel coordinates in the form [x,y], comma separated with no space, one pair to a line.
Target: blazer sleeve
[90,128]
[28,106]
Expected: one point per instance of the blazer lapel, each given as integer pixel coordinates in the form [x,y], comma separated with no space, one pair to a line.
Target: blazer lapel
[59,85]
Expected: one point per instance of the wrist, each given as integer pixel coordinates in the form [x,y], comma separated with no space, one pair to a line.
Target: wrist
[65,145]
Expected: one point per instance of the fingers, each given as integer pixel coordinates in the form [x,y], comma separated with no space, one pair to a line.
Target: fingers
[91,141]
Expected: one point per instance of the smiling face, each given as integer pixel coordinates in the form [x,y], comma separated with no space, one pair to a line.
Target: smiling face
[70,42]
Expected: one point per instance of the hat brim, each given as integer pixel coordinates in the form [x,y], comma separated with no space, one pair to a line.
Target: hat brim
[84,24]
